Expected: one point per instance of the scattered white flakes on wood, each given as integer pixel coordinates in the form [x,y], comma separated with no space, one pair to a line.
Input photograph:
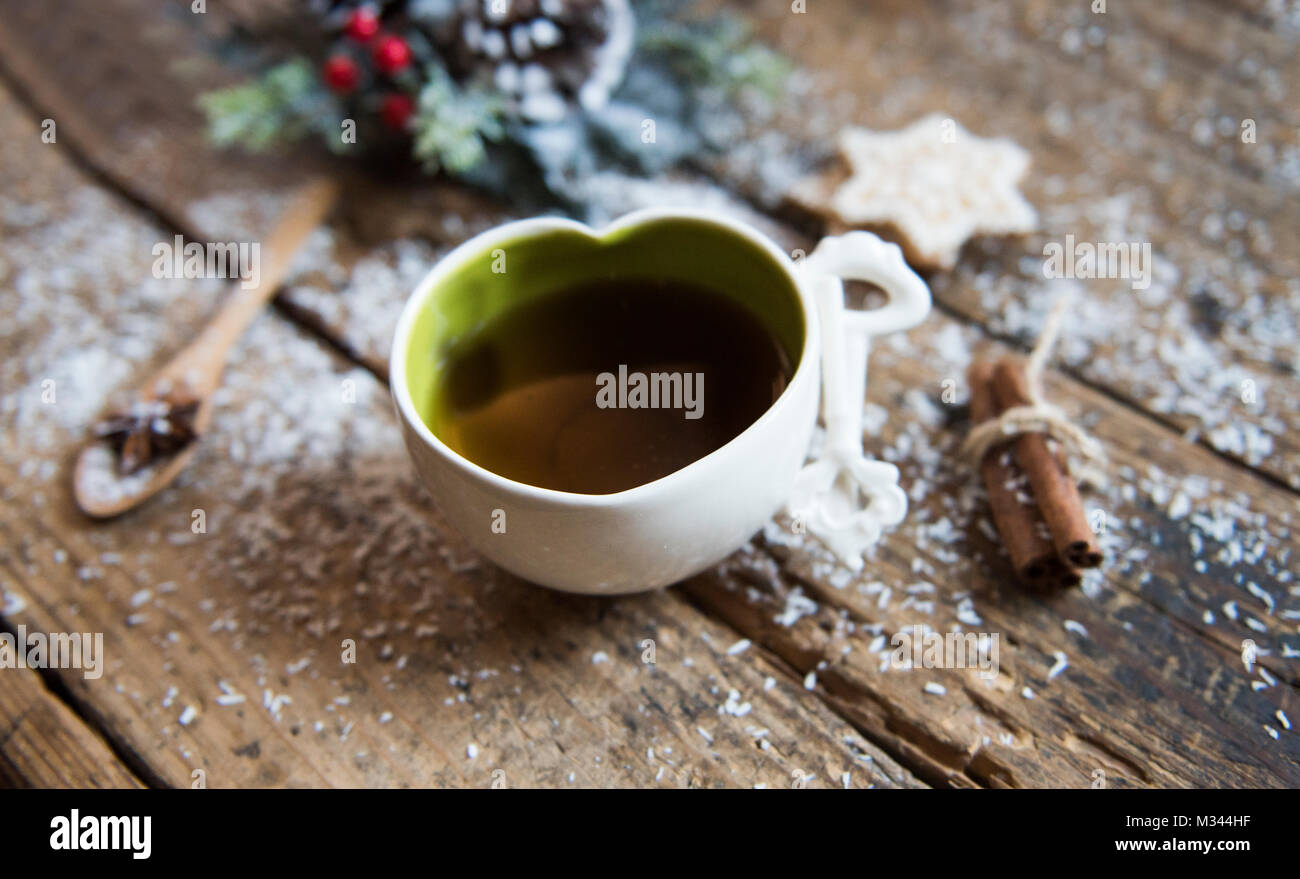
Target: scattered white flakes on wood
[169,697]
[141,597]
[1230,609]
[228,696]
[810,680]
[188,715]
[704,734]
[471,751]
[845,780]
[386,717]
[275,703]
[768,683]
[598,657]
[797,606]
[1061,664]
[298,665]
[1259,592]
[935,689]
[1027,692]
[739,647]
[734,706]
[1283,719]
[1272,732]
[1075,627]
[925,607]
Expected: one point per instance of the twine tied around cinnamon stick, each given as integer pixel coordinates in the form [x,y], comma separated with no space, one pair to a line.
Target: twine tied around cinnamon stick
[1084,455]
[1047,536]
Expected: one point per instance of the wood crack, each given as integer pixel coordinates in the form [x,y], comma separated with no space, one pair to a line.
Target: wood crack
[90,718]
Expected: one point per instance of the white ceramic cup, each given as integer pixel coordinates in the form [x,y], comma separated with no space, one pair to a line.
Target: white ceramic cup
[671,528]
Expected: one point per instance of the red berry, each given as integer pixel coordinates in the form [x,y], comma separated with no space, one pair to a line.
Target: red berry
[341,74]
[362,25]
[396,111]
[391,54]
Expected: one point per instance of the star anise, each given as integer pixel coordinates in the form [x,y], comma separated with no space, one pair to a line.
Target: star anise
[149,429]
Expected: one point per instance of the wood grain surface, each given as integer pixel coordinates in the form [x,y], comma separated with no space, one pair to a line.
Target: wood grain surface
[768,670]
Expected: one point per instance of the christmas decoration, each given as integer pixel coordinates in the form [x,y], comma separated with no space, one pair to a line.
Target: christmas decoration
[544,55]
[482,89]
[363,24]
[396,111]
[341,74]
[391,55]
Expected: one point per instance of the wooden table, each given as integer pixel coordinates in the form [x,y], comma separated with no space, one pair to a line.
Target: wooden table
[223,644]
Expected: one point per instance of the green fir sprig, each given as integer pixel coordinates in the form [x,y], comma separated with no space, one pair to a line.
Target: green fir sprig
[283,105]
[721,52]
[451,124]
[691,75]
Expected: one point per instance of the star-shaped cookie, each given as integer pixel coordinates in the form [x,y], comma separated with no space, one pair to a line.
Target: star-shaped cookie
[934,183]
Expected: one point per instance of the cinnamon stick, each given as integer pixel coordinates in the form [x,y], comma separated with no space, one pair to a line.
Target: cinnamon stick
[1055,492]
[1019,524]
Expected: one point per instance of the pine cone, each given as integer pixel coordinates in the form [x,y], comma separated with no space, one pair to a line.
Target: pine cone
[543,54]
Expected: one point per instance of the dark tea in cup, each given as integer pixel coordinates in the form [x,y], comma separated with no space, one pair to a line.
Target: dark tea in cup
[606,385]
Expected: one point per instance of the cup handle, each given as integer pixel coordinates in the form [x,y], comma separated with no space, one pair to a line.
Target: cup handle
[844,498]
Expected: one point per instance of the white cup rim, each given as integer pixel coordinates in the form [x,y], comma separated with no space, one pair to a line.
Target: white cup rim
[808,358]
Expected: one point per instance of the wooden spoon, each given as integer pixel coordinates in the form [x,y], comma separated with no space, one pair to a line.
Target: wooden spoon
[196,371]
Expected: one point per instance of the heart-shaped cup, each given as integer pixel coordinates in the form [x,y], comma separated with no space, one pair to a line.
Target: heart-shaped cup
[670,528]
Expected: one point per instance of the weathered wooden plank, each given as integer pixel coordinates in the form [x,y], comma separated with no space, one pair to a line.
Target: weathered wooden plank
[225,642]
[44,744]
[1167,498]
[1208,338]
[1155,578]
[1199,562]
[1133,120]
[129,110]
[471,674]
[920,733]
[1174,489]
[129,101]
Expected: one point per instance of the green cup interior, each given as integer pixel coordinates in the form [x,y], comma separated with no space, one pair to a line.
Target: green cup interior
[509,273]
